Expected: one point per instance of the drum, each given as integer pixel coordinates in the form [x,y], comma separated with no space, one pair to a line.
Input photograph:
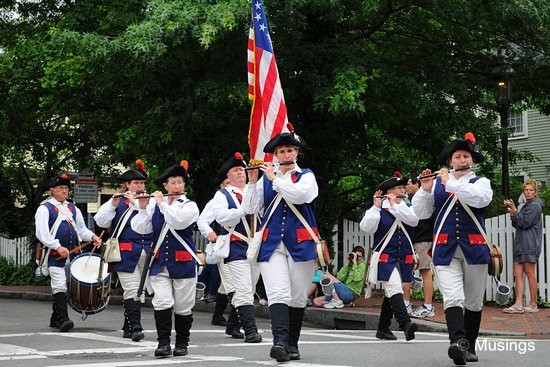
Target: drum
[87,295]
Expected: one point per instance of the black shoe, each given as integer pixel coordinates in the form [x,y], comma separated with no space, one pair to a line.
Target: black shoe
[470,357]
[235,333]
[385,335]
[409,331]
[218,322]
[279,353]
[126,334]
[163,350]
[137,335]
[456,354]
[65,326]
[180,351]
[253,338]
[293,353]
[53,324]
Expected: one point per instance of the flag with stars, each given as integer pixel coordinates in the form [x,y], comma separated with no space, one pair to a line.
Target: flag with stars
[269,116]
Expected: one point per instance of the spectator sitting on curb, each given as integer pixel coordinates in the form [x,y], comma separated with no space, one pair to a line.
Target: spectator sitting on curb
[348,283]
[313,289]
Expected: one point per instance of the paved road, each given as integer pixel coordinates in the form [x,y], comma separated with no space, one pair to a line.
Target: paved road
[26,340]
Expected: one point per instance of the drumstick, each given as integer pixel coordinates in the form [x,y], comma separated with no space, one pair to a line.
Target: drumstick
[91,252]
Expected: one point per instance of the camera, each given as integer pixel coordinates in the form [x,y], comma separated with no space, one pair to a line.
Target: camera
[350,256]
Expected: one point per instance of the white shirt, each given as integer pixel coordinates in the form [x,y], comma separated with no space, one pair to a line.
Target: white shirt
[106,213]
[205,218]
[178,215]
[301,192]
[401,211]
[42,218]
[477,194]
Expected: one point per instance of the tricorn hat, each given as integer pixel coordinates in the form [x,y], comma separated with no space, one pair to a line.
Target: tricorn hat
[137,173]
[286,138]
[235,161]
[396,180]
[468,144]
[176,170]
[62,179]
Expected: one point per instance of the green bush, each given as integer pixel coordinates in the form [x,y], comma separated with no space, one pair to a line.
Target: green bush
[7,268]
[11,274]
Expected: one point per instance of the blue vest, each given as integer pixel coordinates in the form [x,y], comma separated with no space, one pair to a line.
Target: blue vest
[66,234]
[237,247]
[131,243]
[458,229]
[172,254]
[285,226]
[398,252]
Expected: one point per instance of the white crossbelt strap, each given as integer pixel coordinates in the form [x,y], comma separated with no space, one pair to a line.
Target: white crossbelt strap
[122,222]
[187,247]
[478,225]
[68,215]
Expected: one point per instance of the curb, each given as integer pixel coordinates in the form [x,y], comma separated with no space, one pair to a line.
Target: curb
[329,319]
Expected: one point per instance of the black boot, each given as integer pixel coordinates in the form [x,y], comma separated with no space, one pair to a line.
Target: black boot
[53,318]
[233,327]
[248,321]
[472,320]
[296,319]
[280,325]
[402,316]
[126,329]
[133,312]
[386,314]
[183,327]
[457,335]
[63,321]
[163,322]
[221,304]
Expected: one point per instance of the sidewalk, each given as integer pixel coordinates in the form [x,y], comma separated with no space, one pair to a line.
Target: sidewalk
[363,316]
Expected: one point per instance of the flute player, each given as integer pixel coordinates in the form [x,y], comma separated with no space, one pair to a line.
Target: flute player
[460,253]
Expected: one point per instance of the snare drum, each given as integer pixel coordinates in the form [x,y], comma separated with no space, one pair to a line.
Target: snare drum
[87,295]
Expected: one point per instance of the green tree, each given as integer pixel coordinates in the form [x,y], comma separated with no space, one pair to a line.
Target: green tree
[373,86]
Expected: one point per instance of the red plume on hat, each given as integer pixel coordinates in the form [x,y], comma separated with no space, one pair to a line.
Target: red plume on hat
[140,165]
[239,156]
[397,174]
[469,136]
[290,127]
[64,176]
[185,164]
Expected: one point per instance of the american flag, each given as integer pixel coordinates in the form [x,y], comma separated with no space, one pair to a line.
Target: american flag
[269,116]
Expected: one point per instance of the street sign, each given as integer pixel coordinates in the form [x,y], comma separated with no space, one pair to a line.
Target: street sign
[85,191]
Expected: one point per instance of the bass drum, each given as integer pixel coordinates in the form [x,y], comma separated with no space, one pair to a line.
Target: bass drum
[87,295]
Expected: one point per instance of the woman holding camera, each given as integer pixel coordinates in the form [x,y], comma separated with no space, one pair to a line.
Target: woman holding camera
[348,283]
[527,245]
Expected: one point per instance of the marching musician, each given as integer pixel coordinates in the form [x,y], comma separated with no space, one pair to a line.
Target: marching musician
[61,228]
[228,212]
[173,273]
[460,253]
[287,253]
[392,221]
[226,289]
[115,213]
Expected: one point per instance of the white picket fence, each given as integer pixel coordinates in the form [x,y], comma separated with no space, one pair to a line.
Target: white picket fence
[15,249]
[499,229]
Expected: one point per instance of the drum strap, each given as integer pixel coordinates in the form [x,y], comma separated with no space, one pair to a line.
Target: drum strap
[68,215]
